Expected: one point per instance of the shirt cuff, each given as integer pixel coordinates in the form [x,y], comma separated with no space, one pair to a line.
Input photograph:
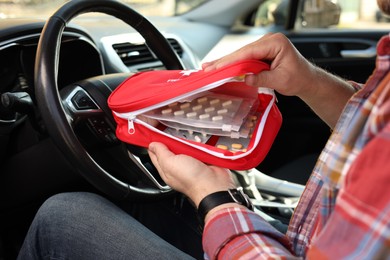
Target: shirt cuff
[228,223]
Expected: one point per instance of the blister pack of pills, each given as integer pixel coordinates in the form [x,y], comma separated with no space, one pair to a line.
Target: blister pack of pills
[243,132]
[240,144]
[212,113]
[220,140]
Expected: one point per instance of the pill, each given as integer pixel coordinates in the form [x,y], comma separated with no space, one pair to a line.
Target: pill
[190,132]
[223,147]
[214,101]
[244,150]
[204,116]
[173,104]
[166,111]
[236,146]
[185,105]
[250,124]
[179,113]
[202,99]
[209,109]
[253,118]
[217,118]
[240,78]
[196,108]
[222,111]
[227,103]
[197,139]
[191,114]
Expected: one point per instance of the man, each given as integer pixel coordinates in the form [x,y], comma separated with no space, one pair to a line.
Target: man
[344,211]
[347,197]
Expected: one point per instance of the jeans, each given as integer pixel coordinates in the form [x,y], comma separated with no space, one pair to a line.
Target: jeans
[87,226]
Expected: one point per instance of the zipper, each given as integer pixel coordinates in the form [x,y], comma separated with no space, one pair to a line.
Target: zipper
[175,99]
[131,117]
[130,124]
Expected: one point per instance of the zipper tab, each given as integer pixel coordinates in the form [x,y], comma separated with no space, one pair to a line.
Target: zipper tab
[130,125]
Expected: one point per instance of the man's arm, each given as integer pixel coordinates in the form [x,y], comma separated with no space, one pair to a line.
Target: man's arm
[227,223]
[292,75]
[238,233]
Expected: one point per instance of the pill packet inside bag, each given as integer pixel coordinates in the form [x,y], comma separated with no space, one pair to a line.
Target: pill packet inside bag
[146,91]
[232,143]
[242,132]
[211,112]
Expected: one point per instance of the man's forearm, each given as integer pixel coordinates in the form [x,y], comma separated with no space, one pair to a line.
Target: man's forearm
[328,96]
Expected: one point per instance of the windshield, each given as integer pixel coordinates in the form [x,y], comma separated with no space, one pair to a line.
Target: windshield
[44,8]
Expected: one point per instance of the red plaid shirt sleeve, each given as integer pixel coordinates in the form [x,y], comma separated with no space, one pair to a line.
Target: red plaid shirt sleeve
[246,234]
[344,212]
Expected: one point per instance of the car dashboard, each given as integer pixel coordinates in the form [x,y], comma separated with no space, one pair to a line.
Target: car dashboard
[82,55]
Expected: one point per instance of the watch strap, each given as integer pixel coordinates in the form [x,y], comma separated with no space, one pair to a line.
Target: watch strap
[221,197]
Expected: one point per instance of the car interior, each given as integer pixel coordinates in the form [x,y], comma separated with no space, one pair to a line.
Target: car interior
[57,133]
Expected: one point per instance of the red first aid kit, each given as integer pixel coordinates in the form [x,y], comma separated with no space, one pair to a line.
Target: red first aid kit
[212,116]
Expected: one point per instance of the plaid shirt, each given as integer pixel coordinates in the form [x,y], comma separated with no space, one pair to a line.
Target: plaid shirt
[344,211]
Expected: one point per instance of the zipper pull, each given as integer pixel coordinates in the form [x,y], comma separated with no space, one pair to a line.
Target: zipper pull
[130,125]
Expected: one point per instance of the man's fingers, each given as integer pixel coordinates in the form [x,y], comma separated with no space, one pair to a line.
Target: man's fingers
[158,153]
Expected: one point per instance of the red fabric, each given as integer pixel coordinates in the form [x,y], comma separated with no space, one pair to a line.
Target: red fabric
[145,89]
[153,87]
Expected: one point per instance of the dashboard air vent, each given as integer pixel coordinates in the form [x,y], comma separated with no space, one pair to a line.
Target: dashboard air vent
[176,46]
[132,54]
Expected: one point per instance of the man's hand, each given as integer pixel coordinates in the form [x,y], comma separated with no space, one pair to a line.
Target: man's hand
[188,175]
[291,74]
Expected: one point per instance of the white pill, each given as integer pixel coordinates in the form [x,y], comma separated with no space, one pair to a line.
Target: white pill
[217,118]
[197,139]
[202,99]
[191,114]
[222,111]
[179,113]
[166,111]
[185,105]
[204,116]
[227,103]
[196,108]
[214,101]
[209,109]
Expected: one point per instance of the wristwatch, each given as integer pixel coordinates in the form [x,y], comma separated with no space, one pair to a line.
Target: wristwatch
[221,197]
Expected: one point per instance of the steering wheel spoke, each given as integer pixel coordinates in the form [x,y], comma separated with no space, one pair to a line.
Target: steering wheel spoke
[79,105]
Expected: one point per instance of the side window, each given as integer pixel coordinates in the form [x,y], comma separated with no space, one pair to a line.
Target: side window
[351,14]
[271,12]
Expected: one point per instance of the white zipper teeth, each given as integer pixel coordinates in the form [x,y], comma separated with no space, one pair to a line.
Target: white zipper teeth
[133,114]
[218,154]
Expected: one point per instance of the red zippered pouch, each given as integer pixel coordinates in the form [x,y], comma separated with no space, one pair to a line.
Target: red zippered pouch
[212,116]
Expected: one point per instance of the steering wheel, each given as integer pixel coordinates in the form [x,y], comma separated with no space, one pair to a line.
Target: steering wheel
[77,117]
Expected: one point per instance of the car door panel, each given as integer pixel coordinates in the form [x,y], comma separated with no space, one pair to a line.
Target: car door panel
[349,54]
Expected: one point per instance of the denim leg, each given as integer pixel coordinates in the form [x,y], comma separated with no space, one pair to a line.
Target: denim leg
[87,226]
